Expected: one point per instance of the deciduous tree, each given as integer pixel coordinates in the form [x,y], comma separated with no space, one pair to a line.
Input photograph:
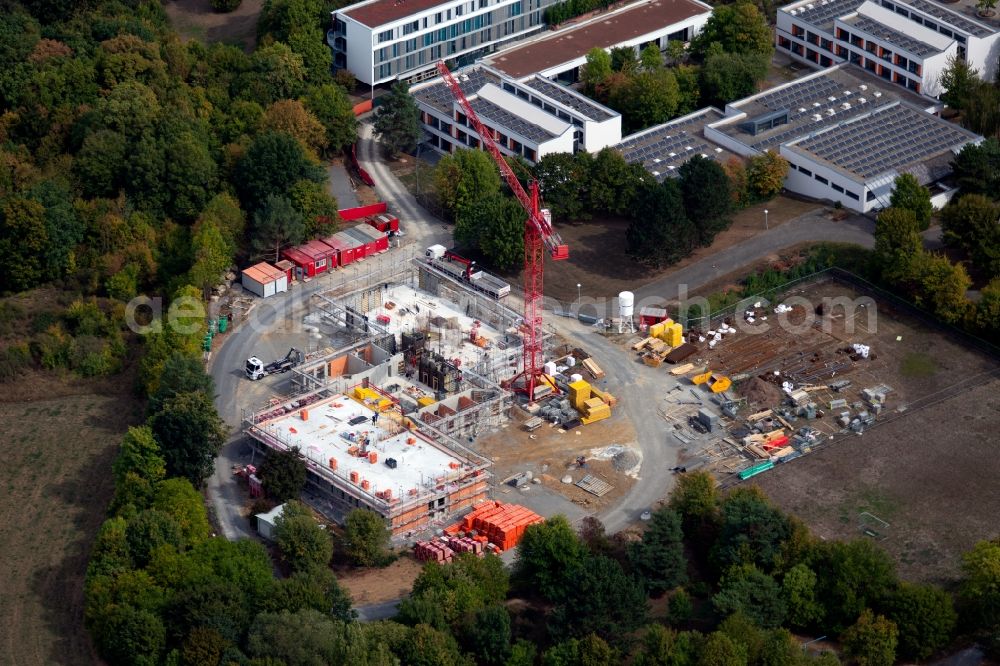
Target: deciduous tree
[303,542]
[737,28]
[596,69]
[276,225]
[658,558]
[910,195]
[291,117]
[601,599]
[729,76]
[23,240]
[979,591]
[871,641]
[272,164]
[190,434]
[897,244]
[550,557]
[330,105]
[397,121]
[798,590]
[745,589]
[366,538]
[925,618]
[660,233]
[972,224]
[464,179]
[283,474]
[766,174]
[709,214]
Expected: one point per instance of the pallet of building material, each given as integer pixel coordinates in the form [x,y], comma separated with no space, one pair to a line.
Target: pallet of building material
[753,418]
[652,360]
[534,423]
[681,353]
[591,366]
[758,451]
[639,346]
[594,485]
[682,369]
[659,347]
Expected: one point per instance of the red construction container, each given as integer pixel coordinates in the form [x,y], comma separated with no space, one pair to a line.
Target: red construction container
[384,222]
[311,258]
[345,249]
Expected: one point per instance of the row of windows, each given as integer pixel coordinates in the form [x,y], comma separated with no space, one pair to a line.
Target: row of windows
[926,22]
[445,16]
[871,64]
[820,179]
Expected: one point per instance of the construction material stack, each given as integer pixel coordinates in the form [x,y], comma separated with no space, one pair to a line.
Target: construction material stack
[492,526]
[592,404]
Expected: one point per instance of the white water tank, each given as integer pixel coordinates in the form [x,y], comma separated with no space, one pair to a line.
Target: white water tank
[570,361]
[575,378]
[550,368]
[626,303]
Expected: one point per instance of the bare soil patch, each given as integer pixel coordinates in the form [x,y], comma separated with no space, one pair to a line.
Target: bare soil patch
[195,19]
[57,483]
[372,586]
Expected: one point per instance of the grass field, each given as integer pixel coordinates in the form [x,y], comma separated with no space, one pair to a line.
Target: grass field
[56,485]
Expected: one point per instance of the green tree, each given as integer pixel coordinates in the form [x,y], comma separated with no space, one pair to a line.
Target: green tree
[366,538]
[502,239]
[290,116]
[99,164]
[131,636]
[190,434]
[591,650]
[522,653]
[925,618]
[212,256]
[720,650]
[429,647]
[150,529]
[190,176]
[737,28]
[987,313]
[488,637]
[648,98]
[709,214]
[330,104]
[910,195]
[277,73]
[276,225]
[658,558]
[303,542]
[464,179]
[766,174]
[397,120]
[942,287]
[982,113]
[562,179]
[688,88]
[317,207]
[596,69]
[958,79]
[23,240]
[140,455]
[695,498]
[550,557]
[446,596]
[317,588]
[972,224]
[624,59]
[182,373]
[64,229]
[303,638]
[659,233]
[897,244]
[650,57]
[851,576]
[601,599]
[283,474]
[271,165]
[798,590]
[745,589]
[729,76]
[178,499]
[979,590]
[614,183]
[871,641]
[224,213]
[752,530]
[977,168]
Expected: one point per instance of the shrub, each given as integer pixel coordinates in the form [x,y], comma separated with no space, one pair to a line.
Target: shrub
[13,360]
[225,6]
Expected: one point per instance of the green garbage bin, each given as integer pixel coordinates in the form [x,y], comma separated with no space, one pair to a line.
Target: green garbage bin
[223,324]
[212,323]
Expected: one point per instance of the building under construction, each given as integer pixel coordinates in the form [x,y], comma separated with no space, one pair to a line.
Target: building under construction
[362,452]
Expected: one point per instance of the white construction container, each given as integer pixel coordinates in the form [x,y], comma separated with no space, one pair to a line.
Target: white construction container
[264,280]
[550,368]
[575,378]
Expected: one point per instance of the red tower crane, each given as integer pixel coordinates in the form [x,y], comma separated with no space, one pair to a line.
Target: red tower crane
[539,237]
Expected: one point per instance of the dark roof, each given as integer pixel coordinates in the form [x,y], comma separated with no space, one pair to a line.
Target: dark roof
[822,15]
[572,43]
[562,94]
[894,37]
[661,150]
[487,110]
[379,12]
[893,138]
[470,80]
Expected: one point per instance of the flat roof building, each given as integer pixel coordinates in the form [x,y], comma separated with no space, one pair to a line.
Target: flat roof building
[384,40]
[906,42]
[846,135]
[663,149]
[561,54]
[529,118]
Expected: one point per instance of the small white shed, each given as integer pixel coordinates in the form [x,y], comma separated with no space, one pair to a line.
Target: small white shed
[265,280]
[265,521]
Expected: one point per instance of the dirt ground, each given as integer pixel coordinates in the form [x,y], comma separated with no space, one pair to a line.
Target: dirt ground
[598,262]
[372,586]
[57,463]
[927,466]
[550,455]
[195,19]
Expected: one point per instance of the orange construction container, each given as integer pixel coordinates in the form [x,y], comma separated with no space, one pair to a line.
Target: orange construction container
[333,463]
[304,414]
[387,493]
[354,477]
[365,485]
[372,457]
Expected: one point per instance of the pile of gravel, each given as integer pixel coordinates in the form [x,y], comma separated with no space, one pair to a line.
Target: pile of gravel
[625,460]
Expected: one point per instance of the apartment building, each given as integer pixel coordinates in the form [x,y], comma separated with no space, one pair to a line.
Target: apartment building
[906,42]
[385,40]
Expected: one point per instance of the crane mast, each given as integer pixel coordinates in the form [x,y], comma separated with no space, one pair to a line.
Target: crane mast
[539,238]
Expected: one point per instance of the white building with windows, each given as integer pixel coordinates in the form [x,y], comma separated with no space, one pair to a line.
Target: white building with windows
[906,42]
[385,40]
[846,134]
[530,118]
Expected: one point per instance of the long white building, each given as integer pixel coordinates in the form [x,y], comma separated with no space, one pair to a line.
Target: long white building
[906,42]
[530,118]
[385,40]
